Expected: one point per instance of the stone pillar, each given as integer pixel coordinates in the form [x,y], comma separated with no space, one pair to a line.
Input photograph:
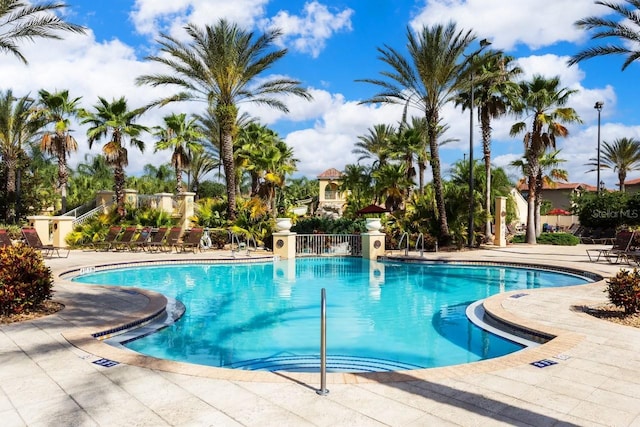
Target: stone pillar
[284,241]
[500,238]
[284,277]
[41,224]
[131,197]
[186,203]
[165,202]
[105,197]
[62,225]
[373,240]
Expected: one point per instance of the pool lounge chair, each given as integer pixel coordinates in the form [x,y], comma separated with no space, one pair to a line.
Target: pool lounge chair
[32,240]
[156,241]
[5,240]
[141,240]
[192,241]
[109,240]
[173,239]
[126,238]
[619,251]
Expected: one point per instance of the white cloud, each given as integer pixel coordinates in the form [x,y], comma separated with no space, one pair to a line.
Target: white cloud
[535,23]
[152,16]
[309,32]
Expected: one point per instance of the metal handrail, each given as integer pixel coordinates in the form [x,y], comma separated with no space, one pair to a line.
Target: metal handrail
[420,239]
[93,212]
[406,250]
[323,344]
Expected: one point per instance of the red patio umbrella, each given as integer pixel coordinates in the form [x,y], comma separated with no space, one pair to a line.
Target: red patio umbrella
[557,212]
[372,209]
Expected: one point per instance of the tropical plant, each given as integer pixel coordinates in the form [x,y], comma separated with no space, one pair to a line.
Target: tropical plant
[25,281]
[543,102]
[494,93]
[622,156]
[392,185]
[375,145]
[22,21]
[57,109]
[221,67]
[624,290]
[427,80]
[18,127]
[114,120]
[181,136]
[626,30]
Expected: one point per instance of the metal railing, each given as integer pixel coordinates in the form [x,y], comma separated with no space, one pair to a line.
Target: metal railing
[328,244]
[323,344]
[88,215]
[405,235]
[420,240]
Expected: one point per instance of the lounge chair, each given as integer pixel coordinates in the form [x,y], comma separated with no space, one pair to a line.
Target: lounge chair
[110,238]
[125,239]
[193,240]
[32,240]
[619,250]
[173,238]
[157,240]
[5,240]
[141,240]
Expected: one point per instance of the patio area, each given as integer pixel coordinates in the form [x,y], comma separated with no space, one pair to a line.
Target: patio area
[595,380]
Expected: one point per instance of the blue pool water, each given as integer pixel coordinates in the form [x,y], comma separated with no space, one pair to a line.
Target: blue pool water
[380,316]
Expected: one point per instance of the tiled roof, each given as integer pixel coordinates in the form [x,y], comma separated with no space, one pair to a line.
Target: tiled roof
[330,174]
[560,186]
[632,182]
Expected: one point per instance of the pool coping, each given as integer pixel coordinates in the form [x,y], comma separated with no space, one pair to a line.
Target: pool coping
[86,340]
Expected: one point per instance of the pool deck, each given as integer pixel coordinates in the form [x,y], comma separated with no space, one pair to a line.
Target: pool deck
[595,380]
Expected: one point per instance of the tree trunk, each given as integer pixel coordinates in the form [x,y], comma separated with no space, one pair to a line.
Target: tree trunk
[485,123]
[226,116]
[531,204]
[432,121]
[63,177]
[12,165]
[178,179]
[118,188]
[421,169]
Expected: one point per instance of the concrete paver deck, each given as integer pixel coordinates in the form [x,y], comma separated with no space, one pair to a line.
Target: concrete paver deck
[46,381]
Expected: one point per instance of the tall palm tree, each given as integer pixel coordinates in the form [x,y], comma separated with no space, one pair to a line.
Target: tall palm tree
[58,109]
[18,126]
[622,156]
[115,121]
[427,80]
[200,164]
[543,101]
[392,185]
[627,30]
[20,21]
[181,136]
[222,67]
[494,92]
[375,145]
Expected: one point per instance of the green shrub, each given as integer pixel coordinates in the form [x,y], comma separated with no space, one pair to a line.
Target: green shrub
[560,239]
[624,290]
[25,281]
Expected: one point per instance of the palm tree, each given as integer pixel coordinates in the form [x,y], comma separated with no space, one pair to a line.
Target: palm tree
[427,80]
[114,120]
[221,67]
[495,92]
[627,30]
[20,21]
[200,164]
[392,185]
[183,137]
[542,100]
[58,109]
[375,145]
[18,126]
[622,156]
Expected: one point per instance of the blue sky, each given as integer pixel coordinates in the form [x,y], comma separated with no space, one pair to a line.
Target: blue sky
[331,44]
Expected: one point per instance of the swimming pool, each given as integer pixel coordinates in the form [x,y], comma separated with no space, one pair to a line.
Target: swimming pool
[380,315]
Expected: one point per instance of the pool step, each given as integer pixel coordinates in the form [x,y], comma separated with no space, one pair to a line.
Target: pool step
[335,363]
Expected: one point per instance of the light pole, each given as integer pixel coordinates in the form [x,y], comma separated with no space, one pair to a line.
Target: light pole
[598,107]
[483,43]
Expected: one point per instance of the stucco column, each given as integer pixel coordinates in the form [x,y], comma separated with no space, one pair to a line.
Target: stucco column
[131,197]
[62,225]
[500,238]
[41,224]
[165,202]
[105,197]
[186,203]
